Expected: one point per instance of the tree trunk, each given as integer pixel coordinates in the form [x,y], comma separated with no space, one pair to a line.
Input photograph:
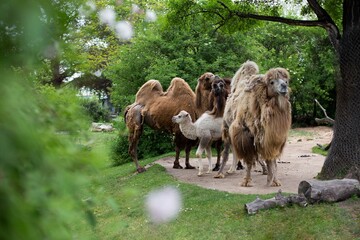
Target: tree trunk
[344,155]
[329,191]
[57,77]
[311,191]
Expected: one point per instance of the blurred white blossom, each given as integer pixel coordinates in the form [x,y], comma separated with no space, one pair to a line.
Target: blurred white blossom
[150,16]
[87,8]
[135,8]
[107,16]
[124,30]
[163,205]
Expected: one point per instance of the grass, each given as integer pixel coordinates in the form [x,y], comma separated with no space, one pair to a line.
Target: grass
[119,195]
[318,150]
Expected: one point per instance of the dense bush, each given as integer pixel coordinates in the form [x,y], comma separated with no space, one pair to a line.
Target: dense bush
[152,143]
[94,109]
[42,166]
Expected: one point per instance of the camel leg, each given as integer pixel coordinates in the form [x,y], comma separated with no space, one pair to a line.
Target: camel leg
[208,154]
[177,157]
[263,166]
[225,155]
[187,155]
[272,180]
[205,142]
[199,153]
[135,126]
[218,144]
[233,165]
[247,178]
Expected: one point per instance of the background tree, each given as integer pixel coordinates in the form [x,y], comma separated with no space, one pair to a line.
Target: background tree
[344,154]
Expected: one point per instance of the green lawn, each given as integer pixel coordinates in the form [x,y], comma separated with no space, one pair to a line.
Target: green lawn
[118,205]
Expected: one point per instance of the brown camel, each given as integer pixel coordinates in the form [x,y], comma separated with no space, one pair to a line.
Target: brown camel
[155,108]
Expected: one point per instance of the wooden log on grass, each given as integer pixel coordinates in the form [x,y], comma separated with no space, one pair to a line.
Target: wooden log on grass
[329,191]
[278,201]
[311,191]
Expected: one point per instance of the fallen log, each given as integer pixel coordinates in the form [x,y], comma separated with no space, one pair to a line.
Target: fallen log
[278,201]
[329,191]
[311,191]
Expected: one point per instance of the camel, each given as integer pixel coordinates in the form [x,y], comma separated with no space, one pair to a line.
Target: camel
[208,123]
[207,128]
[238,83]
[155,108]
[262,121]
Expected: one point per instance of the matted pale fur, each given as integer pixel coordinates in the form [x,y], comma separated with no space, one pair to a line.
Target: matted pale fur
[263,119]
[238,84]
[207,128]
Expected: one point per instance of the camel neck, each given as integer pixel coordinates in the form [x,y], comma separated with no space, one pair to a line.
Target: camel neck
[188,129]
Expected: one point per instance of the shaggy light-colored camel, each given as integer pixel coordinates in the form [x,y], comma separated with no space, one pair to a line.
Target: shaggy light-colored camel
[155,108]
[238,83]
[262,122]
[207,128]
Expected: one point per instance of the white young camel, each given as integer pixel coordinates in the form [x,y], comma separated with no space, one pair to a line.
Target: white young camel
[207,128]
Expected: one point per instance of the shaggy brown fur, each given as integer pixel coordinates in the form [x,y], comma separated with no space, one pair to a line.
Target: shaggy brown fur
[202,90]
[262,122]
[155,108]
[238,84]
[220,90]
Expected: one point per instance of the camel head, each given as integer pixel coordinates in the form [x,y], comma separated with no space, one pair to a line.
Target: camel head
[202,91]
[206,80]
[218,86]
[277,81]
[182,117]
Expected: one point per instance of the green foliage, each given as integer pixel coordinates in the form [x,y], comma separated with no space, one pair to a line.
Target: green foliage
[60,109]
[94,109]
[42,167]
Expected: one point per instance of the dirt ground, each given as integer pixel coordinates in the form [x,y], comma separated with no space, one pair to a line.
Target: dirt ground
[297,163]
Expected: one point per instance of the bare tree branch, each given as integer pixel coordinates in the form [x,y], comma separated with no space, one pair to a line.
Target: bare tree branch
[324,20]
[327,119]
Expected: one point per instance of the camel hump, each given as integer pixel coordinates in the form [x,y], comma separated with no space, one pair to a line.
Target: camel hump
[246,70]
[151,89]
[179,86]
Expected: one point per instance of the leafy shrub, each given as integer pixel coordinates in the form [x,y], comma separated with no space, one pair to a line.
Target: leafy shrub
[41,166]
[152,143]
[95,110]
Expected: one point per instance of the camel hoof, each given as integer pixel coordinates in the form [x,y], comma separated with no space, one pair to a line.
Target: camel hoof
[189,167]
[240,167]
[177,166]
[219,175]
[140,169]
[216,168]
[275,184]
[200,174]
[265,173]
[246,184]
[230,171]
